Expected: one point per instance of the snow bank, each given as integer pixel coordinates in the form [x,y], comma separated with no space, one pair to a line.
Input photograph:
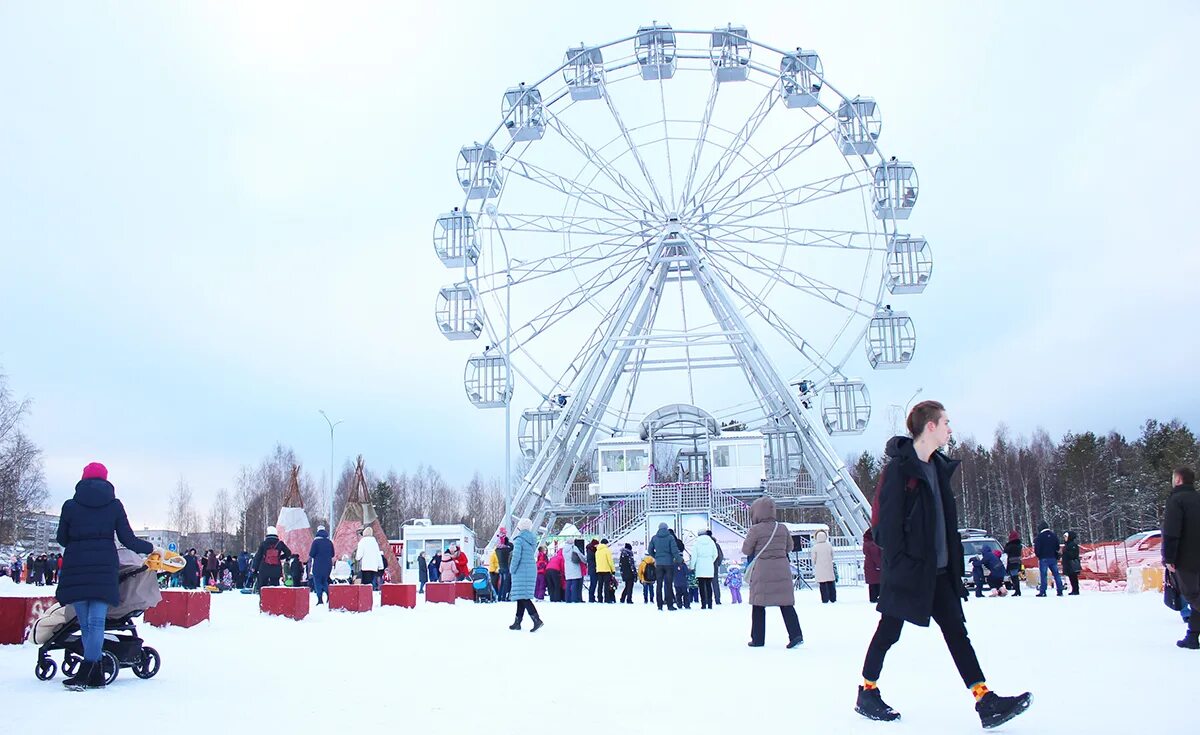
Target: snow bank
[1050,646]
[9,588]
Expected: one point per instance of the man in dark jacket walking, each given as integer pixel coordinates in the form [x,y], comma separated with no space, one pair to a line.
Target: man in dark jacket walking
[915,525]
[1045,547]
[1181,546]
[268,562]
[321,554]
[666,555]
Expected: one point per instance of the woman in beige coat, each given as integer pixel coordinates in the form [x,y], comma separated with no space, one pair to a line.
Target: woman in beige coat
[822,559]
[767,545]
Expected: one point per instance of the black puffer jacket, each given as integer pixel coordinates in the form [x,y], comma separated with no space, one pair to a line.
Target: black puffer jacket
[1181,529]
[905,528]
[1013,550]
[86,526]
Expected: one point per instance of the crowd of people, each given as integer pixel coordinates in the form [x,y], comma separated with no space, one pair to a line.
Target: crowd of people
[39,569]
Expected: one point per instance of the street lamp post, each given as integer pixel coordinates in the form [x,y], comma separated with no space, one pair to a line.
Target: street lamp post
[332,488]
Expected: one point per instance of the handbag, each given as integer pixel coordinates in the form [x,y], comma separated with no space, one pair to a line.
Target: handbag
[1171,595]
[748,576]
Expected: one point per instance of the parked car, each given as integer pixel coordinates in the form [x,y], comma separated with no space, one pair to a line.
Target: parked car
[976,541]
[1112,560]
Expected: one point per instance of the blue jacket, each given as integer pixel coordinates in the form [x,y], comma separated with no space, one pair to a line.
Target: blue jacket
[1046,545]
[994,566]
[664,549]
[85,530]
[422,569]
[523,565]
[681,576]
[321,553]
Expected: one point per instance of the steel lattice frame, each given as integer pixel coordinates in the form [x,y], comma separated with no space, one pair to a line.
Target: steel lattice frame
[592,200]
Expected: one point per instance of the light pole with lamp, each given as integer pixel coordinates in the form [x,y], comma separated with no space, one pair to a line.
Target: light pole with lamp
[332,487]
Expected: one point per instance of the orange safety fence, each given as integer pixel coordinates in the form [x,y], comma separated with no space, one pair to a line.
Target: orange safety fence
[1109,561]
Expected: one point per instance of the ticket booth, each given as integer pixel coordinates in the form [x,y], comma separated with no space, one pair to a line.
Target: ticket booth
[421,535]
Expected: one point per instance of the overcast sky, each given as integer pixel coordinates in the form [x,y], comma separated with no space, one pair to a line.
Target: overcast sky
[215,218]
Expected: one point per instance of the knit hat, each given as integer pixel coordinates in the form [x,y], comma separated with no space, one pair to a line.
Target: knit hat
[271,531]
[366,531]
[662,526]
[95,471]
[320,528]
[524,524]
[1013,536]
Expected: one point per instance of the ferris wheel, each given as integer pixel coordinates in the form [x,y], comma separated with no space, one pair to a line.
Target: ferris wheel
[682,216]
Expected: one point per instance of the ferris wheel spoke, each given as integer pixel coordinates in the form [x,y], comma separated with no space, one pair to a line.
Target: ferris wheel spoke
[774,320]
[582,294]
[573,189]
[633,148]
[749,128]
[795,279]
[662,101]
[769,165]
[700,140]
[565,224]
[532,270]
[749,235]
[744,211]
[594,156]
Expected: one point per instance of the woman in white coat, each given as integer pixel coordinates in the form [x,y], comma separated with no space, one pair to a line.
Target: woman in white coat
[704,563]
[370,558]
[822,558]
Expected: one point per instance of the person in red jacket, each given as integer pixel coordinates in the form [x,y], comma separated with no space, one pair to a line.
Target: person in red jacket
[461,563]
[872,562]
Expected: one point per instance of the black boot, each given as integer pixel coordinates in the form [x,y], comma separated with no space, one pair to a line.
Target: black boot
[871,705]
[795,641]
[1191,640]
[83,671]
[516,624]
[995,710]
[96,676]
[537,623]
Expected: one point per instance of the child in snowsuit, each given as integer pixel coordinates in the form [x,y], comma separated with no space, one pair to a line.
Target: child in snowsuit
[733,580]
[693,586]
[681,586]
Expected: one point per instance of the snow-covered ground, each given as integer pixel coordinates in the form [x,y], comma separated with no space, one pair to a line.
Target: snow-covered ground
[1098,663]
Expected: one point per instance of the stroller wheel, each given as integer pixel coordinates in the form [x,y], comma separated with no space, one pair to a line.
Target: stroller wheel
[111,667]
[148,666]
[45,669]
[70,664]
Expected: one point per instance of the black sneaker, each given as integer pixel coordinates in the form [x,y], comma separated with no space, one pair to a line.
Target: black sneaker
[795,641]
[752,644]
[871,705]
[995,710]
[1191,640]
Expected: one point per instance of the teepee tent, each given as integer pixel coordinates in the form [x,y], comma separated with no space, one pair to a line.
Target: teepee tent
[360,514]
[293,526]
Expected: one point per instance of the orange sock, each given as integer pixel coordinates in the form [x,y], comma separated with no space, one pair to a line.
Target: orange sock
[868,685]
[979,690]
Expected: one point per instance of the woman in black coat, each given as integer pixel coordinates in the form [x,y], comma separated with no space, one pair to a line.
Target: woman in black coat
[89,573]
[1070,560]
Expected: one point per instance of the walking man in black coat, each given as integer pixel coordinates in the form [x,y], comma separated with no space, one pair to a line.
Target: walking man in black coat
[915,525]
[1181,546]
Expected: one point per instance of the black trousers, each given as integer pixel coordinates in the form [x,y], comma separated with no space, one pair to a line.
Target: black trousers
[758,623]
[522,606]
[554,585]
[593,578]
[1189,588]
[948,614]
[716,588]
[828,592]
[873,592]
[606,587]
[706,591]
[666,590]
[1074,583]
[368,577]
[627,592]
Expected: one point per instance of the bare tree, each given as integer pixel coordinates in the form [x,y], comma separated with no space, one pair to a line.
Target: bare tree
[181,513]
[220,519]
[22,483]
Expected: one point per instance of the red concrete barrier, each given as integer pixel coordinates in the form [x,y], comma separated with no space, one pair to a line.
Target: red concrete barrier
[464,590]
[441,592]
[17,615]
[399,595]
[290,602]
[352,597]
[182,608]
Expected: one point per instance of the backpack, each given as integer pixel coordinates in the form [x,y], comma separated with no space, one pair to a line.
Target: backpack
[271,556]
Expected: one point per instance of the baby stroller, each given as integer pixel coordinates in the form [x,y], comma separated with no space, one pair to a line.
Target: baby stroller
[58,629]
[481,582]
